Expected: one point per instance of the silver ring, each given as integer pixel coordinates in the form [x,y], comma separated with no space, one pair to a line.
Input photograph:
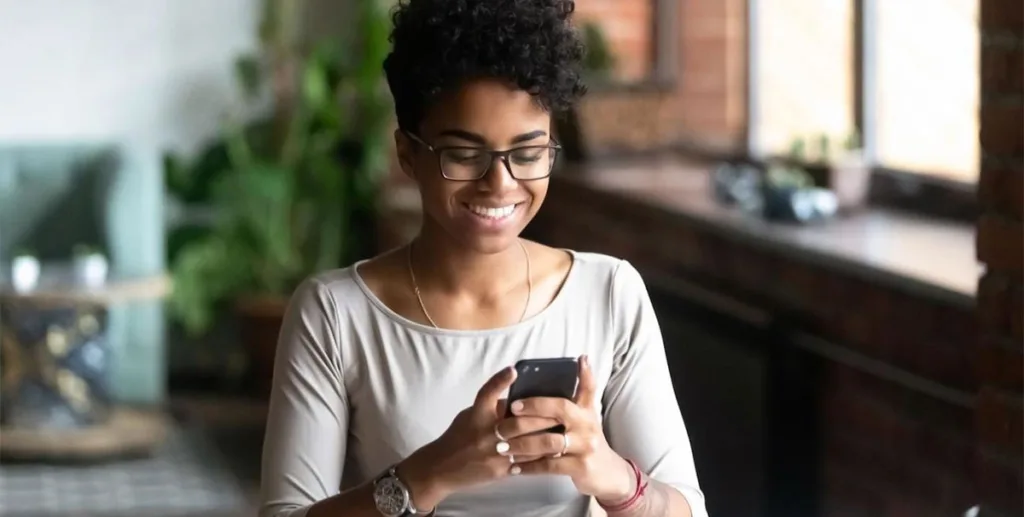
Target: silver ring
[565,446]
[498,435]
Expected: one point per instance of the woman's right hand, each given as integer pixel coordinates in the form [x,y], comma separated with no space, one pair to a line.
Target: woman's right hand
[466,454]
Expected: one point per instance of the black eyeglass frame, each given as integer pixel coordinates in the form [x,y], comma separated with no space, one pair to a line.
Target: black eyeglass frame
[502,155]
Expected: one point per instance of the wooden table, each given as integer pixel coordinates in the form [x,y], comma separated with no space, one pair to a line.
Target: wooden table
[55,399]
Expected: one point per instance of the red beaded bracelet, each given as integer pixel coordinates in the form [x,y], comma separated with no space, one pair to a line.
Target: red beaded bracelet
[641,487]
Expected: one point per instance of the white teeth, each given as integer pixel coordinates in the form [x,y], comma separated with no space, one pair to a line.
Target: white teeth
[492,213]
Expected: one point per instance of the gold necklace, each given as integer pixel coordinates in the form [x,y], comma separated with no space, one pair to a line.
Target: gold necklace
[423,307]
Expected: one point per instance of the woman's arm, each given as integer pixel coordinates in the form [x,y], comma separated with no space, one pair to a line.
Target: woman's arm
[358,502]
[307,425]
[641,417]
[658,500]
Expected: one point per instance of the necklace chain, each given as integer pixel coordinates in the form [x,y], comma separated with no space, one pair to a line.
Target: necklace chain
[423,306]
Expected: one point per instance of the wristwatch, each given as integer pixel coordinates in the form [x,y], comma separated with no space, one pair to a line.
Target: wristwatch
[392,496]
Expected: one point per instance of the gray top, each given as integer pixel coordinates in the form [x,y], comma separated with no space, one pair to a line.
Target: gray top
[358,387]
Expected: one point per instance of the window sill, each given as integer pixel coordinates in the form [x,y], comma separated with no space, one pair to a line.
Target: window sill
[642,86]
[928,256]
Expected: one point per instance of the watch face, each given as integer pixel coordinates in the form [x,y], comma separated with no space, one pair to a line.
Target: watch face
[390,496]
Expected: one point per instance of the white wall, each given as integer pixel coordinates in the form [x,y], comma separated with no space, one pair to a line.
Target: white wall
[153,71]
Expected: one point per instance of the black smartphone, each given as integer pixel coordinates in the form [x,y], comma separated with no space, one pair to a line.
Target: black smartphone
[554,377]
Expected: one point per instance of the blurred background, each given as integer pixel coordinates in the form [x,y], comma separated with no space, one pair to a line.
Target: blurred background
[824,197]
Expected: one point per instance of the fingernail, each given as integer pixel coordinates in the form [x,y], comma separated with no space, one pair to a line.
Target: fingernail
[515,470]
[585,360]
[517,406]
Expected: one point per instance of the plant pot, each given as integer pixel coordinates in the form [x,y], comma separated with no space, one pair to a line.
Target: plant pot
[91,269]
[25,271]
[848,177]
[259,325]
[850,180]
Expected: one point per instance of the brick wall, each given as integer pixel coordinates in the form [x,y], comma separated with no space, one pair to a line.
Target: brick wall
[705,105]
[998,418]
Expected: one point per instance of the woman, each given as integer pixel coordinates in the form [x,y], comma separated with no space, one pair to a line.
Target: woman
[385,398]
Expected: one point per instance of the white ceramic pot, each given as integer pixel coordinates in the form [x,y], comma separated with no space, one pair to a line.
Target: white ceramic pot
[24,273]
[91,269]
[851,180]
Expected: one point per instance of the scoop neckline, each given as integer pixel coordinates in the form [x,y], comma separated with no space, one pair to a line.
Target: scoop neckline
[427,329]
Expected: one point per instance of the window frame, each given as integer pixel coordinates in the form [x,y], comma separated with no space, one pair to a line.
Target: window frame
[915,190]
[912,190]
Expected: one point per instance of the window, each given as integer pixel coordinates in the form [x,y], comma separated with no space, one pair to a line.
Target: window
[925,86]
[802,71]
[901,75]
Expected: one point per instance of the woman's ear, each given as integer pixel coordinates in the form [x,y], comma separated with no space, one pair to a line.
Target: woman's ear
[405,148]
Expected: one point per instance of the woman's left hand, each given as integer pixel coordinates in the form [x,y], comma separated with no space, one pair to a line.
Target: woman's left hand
[582,452]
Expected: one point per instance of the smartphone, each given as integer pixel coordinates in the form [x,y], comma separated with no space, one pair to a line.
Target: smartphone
[554,377]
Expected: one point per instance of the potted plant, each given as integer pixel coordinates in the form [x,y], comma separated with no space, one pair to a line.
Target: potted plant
[599,60]
[89,265]
[25,270]
[292,194]
[843,170]
[850,175]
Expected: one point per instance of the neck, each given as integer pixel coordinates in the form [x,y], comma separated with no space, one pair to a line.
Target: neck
[441,264]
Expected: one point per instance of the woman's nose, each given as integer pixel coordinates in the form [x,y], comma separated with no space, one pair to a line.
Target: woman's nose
[499,176]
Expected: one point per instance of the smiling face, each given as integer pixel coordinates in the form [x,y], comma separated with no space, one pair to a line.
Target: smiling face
[487,214]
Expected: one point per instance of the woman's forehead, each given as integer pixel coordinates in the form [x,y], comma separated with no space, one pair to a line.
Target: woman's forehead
[492,109]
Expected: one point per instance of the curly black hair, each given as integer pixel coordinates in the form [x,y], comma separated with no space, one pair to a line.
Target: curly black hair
[439,44]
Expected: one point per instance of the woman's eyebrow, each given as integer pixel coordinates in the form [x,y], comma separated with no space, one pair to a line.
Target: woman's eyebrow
[479,139]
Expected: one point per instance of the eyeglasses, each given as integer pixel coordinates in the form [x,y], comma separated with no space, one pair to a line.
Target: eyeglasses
[526,163]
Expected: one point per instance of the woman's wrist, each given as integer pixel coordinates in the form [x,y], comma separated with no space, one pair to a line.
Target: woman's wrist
[425,489]
[623,489]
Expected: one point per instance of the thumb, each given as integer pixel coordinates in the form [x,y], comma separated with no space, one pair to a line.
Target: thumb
[490,393]
[586,388]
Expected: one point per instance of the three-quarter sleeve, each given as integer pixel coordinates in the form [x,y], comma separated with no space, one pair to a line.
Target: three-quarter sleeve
[641,415]
[307,424]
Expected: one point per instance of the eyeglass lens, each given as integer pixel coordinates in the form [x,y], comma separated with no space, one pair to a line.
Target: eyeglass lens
[526,163]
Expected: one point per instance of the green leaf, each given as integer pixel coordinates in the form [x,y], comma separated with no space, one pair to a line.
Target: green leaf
[599,59]
[205,274]
[176,176]
[238,150]
[249,74]
[182,236]
[798,150]
[192,183]
[315,87]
